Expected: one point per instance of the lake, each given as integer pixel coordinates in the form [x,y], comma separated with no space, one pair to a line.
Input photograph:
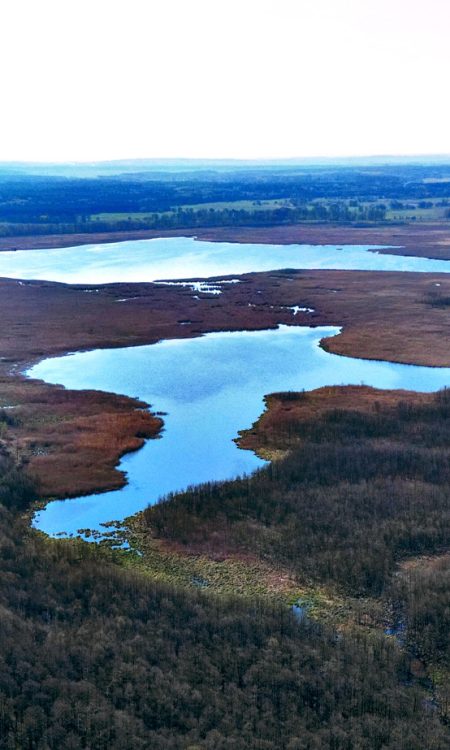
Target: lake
[211,387]
[187,258]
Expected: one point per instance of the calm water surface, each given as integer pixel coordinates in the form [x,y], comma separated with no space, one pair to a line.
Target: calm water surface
[211,387]
[186,258]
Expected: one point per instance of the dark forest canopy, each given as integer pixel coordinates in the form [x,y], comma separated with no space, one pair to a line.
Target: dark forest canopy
[349,477]
[97,656]
[358,494]
[35,202]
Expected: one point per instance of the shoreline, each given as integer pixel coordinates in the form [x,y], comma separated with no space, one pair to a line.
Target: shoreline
[428,240]
[387,316]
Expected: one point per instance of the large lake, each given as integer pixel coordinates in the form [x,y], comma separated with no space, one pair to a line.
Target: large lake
[211,387]
[187,258]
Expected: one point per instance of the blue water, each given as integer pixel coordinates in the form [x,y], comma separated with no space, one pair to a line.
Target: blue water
[186,258]
[211,387]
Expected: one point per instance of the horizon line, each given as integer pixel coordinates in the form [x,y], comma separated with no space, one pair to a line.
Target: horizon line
[225,160]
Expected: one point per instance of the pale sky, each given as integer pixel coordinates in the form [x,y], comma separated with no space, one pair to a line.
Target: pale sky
[94,79]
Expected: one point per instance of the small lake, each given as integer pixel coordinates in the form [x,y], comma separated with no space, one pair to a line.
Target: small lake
[187,258]
[211,387]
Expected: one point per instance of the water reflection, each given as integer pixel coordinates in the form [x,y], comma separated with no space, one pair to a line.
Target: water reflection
[211,387]
[186,258]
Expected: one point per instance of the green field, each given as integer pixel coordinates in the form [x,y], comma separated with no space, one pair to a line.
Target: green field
[436,213]
[215,206]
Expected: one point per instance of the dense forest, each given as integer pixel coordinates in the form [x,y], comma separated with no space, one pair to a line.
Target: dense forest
[37,204]
[422,608]
[96,655]
[357,493]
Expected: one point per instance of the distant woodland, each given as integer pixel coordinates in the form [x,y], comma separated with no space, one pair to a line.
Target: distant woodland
[34,204]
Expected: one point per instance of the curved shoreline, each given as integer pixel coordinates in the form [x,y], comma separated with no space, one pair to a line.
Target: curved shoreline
[430,240]
[385,316]
[221,375]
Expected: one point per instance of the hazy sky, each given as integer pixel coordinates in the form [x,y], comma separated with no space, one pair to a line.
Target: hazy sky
[92,80]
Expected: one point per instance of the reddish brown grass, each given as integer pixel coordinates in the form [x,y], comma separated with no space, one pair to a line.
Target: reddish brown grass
[73,440]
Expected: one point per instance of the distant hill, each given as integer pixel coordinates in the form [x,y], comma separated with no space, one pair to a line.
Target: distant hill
[158,166]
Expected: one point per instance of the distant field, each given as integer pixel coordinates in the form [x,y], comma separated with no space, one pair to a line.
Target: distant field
[410,212]
[436,213]
[214,206]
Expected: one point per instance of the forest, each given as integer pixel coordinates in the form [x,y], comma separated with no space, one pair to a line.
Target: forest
[348,477]
[55,204]
[95,653]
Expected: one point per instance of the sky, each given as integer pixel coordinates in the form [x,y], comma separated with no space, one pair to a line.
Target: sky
[89,80]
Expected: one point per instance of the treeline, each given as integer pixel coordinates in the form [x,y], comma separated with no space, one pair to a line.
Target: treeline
[334,211]
[189,218]
[33,200]
[357,492]
[95,655]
